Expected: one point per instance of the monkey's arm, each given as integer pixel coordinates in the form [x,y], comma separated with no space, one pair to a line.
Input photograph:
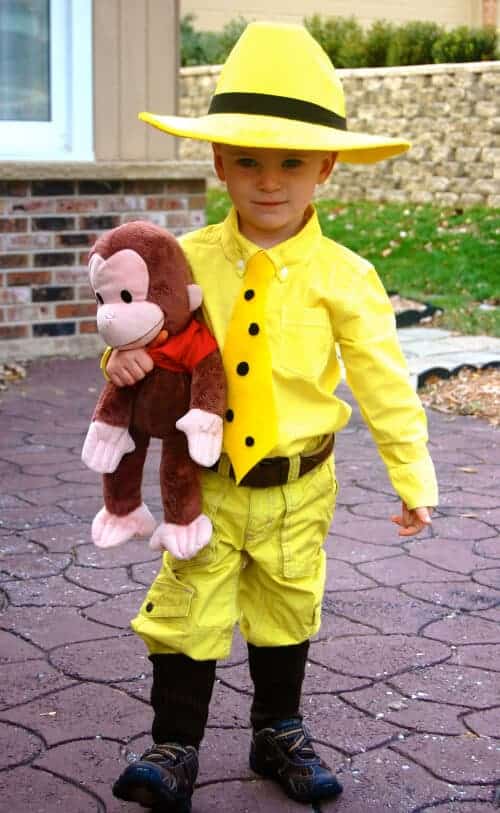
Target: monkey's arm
[108,438]
[203,423]
[208,385]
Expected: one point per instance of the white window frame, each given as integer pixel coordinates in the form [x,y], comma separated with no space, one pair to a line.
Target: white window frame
[69,134]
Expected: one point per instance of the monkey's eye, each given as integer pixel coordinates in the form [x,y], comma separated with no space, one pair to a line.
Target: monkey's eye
[126,296]
[99,298]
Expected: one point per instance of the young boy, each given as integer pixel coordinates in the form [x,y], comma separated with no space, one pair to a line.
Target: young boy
[278,297]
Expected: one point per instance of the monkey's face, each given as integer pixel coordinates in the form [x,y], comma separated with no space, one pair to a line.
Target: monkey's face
[125,317]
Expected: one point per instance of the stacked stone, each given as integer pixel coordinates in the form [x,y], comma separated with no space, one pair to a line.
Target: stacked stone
[197,86]
[450,114]
[46,230]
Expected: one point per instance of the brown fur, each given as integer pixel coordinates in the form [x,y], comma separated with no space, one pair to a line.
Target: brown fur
[152,406]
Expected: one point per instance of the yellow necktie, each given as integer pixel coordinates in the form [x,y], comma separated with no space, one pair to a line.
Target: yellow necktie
[251,427]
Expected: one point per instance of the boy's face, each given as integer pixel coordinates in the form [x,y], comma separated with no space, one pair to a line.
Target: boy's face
[271,189]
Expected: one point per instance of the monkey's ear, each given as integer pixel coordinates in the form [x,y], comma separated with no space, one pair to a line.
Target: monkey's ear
[195,296]
[95,262]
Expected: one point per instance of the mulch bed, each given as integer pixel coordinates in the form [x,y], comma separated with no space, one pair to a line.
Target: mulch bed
[10,372]
[469,392]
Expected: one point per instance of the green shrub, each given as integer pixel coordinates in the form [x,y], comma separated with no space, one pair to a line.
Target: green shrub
[191,46]
[377,41]
[229,36]
[464,44]
[341,37]
[412,43]
[208,47]
[211,48]
[349,46]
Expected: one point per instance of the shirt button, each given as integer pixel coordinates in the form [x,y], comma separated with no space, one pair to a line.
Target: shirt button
[283,274]
[240,264]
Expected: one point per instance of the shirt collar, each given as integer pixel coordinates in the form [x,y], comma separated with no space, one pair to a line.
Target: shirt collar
[238,249]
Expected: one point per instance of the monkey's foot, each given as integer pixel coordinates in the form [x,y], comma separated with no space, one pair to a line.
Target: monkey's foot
[109,530]
[182,541]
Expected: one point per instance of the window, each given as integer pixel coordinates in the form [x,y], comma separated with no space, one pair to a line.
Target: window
[45,80]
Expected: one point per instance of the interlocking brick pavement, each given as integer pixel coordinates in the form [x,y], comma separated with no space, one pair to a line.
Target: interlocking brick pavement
[402,688]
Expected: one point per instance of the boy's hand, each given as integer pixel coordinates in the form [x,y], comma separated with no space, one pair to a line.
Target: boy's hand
[412,522]
[127,367]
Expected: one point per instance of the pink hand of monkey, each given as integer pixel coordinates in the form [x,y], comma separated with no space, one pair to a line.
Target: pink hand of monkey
[204,434]
[105,446]
[182,541]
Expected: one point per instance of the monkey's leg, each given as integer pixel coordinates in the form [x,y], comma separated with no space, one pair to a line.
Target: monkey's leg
[185,529]
[124,514]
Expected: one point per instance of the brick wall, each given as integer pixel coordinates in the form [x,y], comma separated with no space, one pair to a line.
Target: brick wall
[46,230]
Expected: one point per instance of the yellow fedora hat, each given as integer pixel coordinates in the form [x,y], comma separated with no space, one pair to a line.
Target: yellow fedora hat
[278,89]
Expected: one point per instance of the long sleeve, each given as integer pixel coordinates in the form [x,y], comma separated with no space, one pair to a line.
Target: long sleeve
[377,374]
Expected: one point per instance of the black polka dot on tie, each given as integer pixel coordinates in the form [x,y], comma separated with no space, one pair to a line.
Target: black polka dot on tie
[229,415]
[249,441]
[249,294]
[242,368]
[253,329]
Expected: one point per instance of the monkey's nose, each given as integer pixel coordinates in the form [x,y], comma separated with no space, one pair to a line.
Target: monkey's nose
[109,316]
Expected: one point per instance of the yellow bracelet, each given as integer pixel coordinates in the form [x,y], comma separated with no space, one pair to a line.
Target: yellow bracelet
[104,360]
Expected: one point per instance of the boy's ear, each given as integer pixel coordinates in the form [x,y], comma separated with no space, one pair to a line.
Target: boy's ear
[327,166]
[218,164]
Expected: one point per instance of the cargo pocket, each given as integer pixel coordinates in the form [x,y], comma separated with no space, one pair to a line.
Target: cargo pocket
[167,599]
[204,557]
[310,502]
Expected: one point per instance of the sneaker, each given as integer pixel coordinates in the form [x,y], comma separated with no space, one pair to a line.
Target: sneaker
[162,779]
[285,753]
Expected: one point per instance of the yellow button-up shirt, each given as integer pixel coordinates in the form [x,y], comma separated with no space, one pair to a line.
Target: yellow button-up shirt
[323,296]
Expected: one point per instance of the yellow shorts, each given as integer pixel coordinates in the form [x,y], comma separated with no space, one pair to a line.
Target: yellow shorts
[264,568]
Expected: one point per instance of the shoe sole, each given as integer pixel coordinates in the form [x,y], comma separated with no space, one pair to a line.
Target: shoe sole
[320,796]
[143,788]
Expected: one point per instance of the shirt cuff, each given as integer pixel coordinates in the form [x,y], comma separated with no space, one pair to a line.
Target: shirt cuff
[104,360]
[415,483]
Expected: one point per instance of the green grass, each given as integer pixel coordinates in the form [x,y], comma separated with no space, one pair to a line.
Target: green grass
[448,257]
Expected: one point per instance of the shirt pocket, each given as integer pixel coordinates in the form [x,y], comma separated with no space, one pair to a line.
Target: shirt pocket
[305,342]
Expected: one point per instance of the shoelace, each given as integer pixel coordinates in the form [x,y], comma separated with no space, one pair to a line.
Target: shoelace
[171,752]
[297,742]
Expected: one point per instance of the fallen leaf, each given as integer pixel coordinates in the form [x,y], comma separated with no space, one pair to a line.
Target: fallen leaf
[471,392]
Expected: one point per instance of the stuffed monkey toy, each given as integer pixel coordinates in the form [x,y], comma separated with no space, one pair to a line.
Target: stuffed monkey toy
[145,298]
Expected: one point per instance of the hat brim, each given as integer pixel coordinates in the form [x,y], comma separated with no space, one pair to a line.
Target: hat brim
[279,133]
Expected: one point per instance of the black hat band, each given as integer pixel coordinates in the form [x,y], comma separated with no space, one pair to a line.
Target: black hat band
[283,107]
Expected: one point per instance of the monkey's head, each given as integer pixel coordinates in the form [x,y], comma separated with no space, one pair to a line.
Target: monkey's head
[142,284]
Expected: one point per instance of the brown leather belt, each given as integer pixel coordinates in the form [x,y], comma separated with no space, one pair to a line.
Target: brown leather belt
[275,471]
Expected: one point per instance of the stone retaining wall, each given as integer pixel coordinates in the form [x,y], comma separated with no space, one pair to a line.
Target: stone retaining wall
[450,113]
